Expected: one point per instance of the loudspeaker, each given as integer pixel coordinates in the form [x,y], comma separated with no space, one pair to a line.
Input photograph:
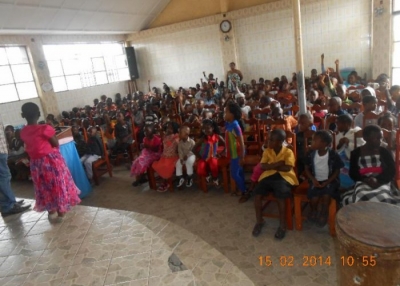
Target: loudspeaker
[132,63]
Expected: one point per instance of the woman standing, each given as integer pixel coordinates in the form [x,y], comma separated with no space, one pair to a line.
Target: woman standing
[233,75]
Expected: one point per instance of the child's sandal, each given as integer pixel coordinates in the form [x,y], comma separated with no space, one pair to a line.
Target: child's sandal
[257,229]
[280,233]
[236,194]
[245,197]
[312,216]
[322,220]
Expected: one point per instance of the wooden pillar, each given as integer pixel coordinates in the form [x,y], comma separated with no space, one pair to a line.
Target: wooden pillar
[301,95]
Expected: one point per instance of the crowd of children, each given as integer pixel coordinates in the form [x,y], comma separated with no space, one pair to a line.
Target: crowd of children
[180,132]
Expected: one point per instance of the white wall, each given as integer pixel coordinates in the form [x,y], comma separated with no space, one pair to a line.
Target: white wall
[11,112]
[179,58]
[263,42]
[80,97]
[340,29]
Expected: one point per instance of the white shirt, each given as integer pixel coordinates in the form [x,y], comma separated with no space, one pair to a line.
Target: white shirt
[321,167]
[349,135]
[245,110]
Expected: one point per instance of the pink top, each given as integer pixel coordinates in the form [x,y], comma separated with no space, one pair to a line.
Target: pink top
[36,139]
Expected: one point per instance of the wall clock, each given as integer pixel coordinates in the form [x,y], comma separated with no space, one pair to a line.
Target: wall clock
[225,26]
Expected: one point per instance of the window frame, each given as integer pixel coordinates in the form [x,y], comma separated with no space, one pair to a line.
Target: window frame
[88,77]
[10,65]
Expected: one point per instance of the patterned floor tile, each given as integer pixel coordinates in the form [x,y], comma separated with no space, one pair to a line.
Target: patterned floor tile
[57,257]
[127,268]
[49,277]
[20,264]
[16,280]
[87,274]
[184,278]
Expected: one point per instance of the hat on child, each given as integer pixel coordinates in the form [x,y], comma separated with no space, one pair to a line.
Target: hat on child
[239,95]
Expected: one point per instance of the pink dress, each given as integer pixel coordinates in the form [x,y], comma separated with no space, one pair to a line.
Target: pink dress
[147,156]
[55,189]
[165,167]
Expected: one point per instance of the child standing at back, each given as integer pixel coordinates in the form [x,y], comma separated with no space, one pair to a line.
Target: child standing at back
[322,170]
[233,136]
[369,104]
[186,157]
[55,190]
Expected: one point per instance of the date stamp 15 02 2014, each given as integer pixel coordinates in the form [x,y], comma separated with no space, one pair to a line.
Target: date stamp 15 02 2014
[315,260]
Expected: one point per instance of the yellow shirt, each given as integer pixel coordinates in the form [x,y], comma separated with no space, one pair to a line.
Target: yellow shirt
[286,155]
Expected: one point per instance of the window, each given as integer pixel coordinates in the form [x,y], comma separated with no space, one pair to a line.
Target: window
[16,79]
[76,66]
[396,44]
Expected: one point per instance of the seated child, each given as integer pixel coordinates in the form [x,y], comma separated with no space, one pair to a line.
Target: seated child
[94,151]
[373,169]
[80,143]
[150,153]
[369,104]
[278,177]
[186,157]
[123,136]
[206,151]
[164,166]
[387,121]
[344,145]
[50,119]
[305,123]
[322,169]
[334,109]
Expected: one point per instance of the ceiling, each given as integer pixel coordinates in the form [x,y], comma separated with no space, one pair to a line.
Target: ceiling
[184,10]
[77,16]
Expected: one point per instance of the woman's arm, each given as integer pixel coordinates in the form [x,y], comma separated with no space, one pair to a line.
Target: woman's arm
[54,141]
[240,75]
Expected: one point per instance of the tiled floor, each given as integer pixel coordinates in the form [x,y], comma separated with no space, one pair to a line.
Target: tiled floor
[134,236]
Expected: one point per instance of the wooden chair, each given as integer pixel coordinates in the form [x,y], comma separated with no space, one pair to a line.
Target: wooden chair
[300,195]
[102,165]
[84,133]
[370,118]
[252,138]
[270,124]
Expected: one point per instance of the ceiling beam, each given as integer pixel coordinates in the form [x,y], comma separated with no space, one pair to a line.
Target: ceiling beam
[224,6]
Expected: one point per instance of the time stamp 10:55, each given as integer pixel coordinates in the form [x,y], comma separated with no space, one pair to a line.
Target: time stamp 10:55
[313,261]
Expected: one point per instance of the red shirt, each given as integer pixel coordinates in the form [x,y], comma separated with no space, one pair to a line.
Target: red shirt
[36,139]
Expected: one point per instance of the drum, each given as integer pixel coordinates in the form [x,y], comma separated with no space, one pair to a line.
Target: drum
[369,238]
